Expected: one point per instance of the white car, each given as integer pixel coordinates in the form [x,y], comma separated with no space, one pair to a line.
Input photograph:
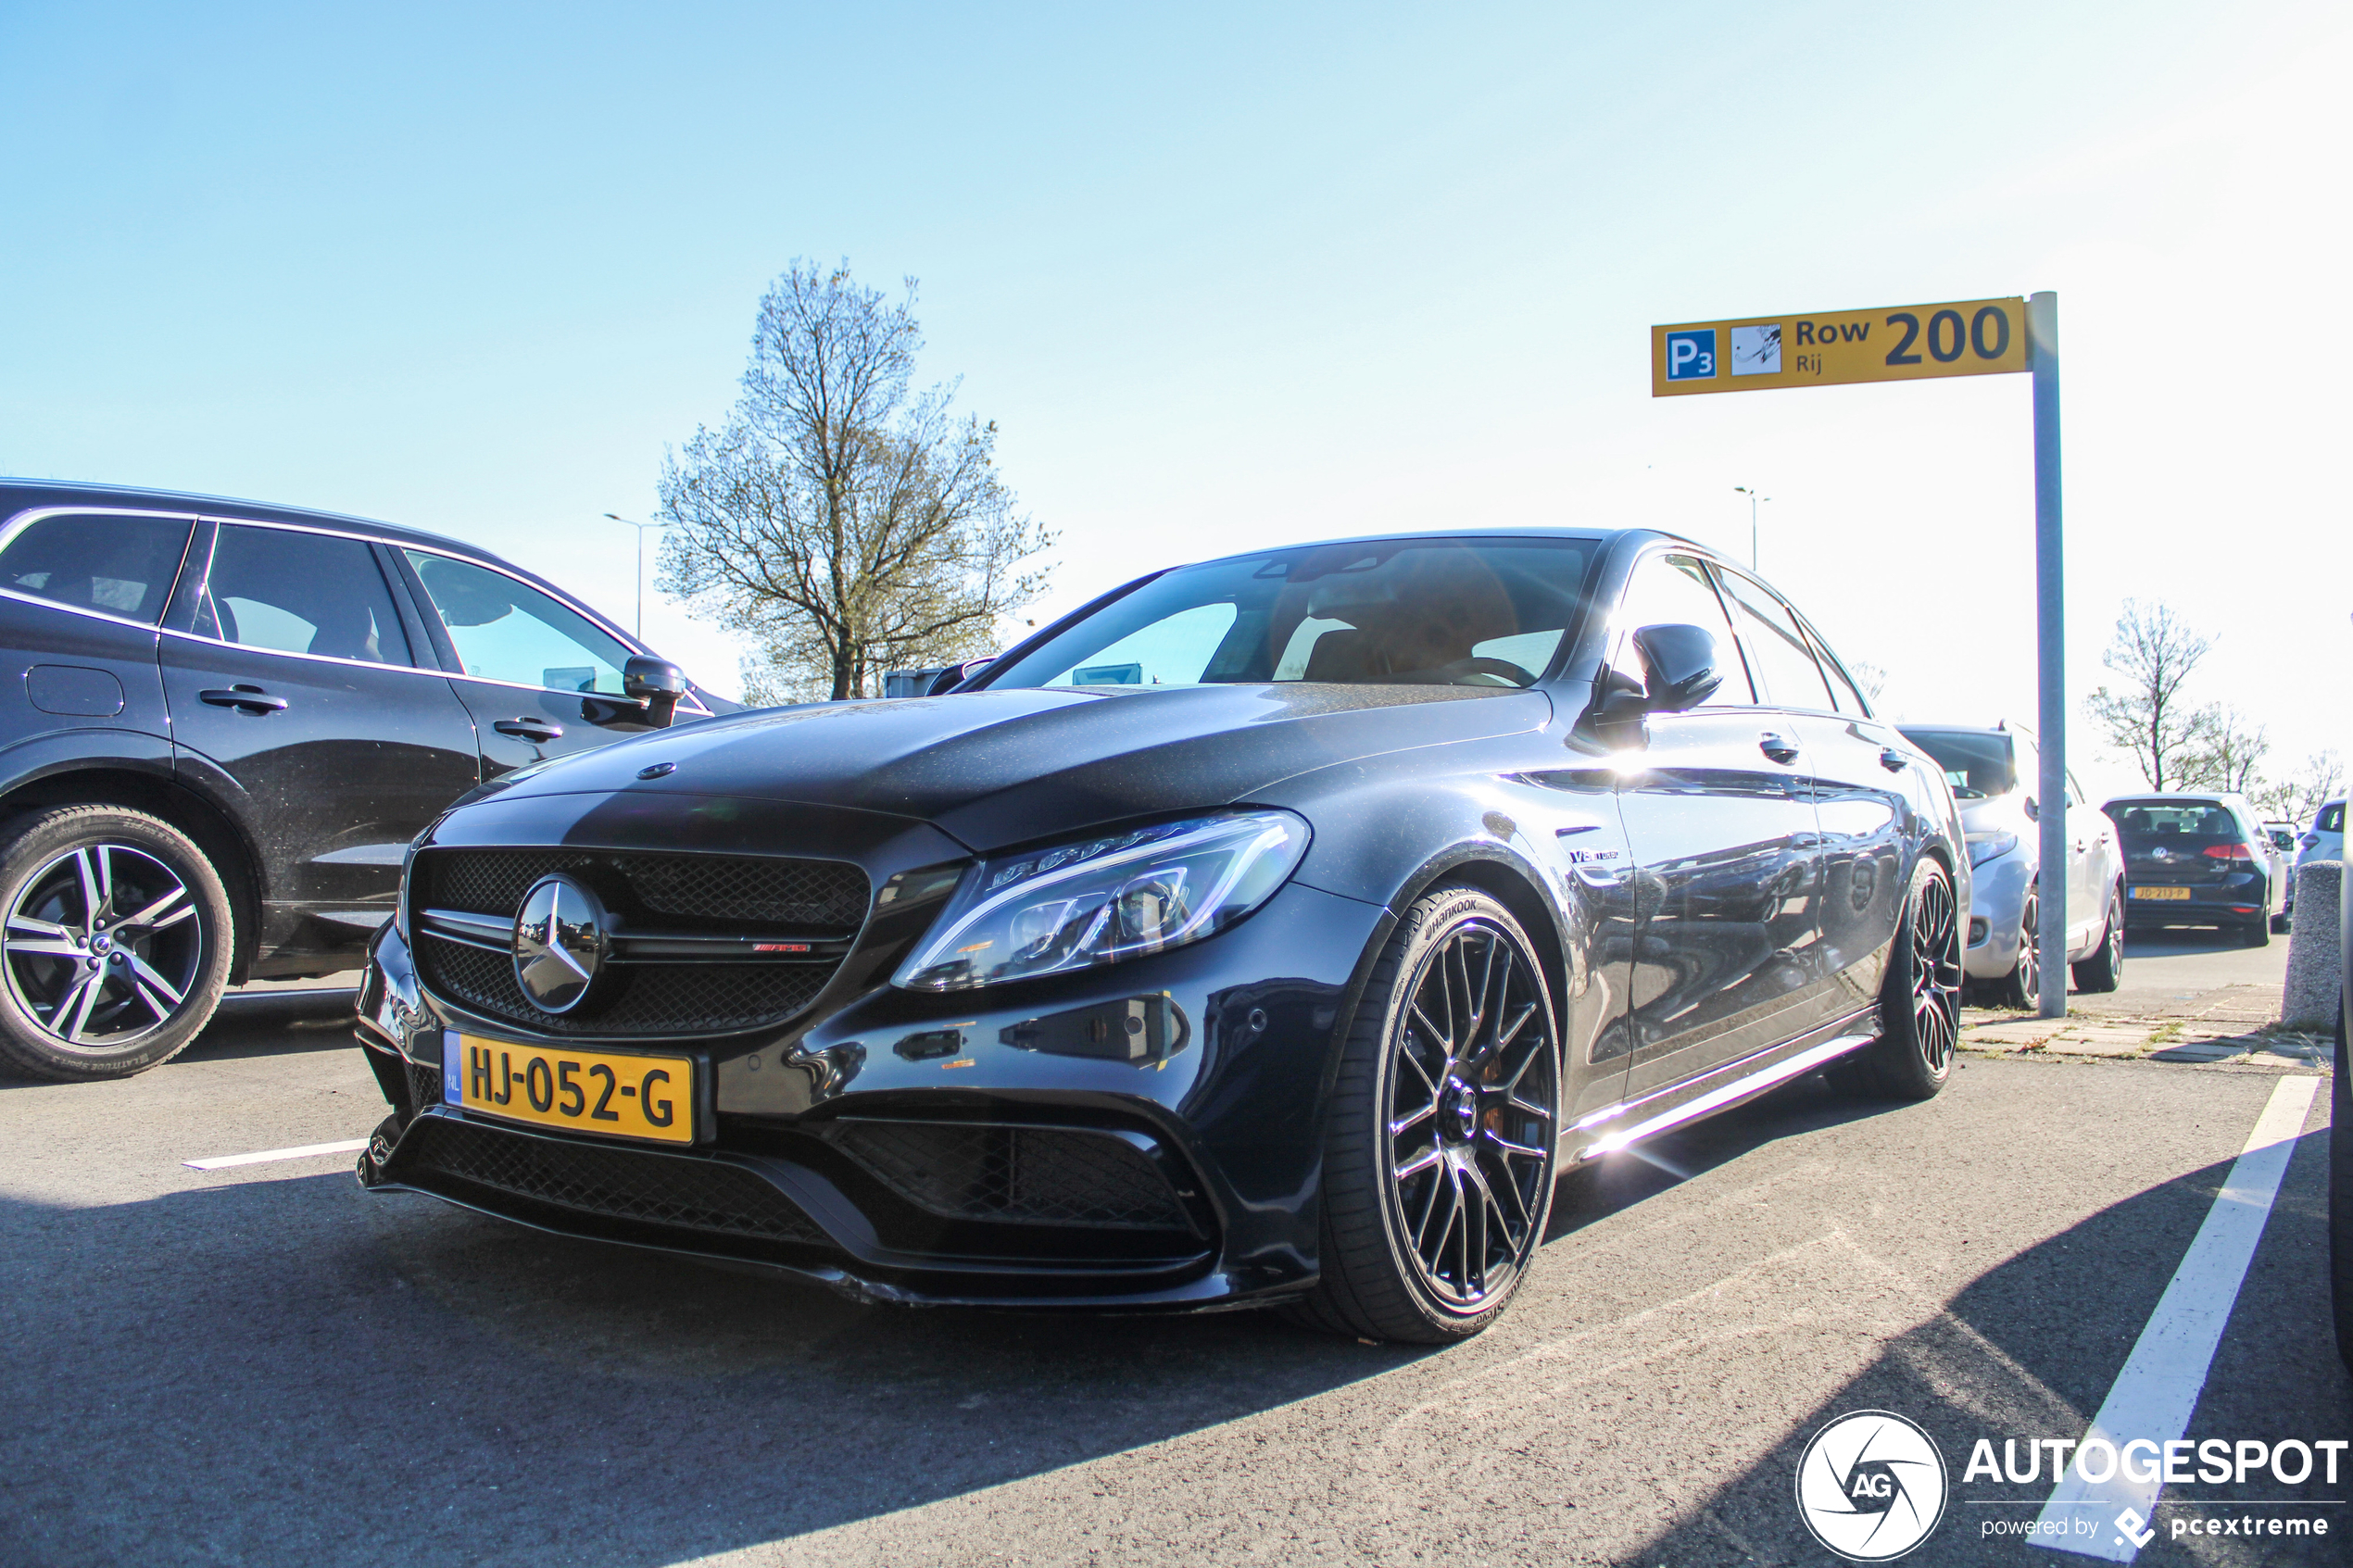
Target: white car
[2324,840]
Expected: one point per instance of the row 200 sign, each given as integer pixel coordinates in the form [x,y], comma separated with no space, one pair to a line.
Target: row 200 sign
[1971,337]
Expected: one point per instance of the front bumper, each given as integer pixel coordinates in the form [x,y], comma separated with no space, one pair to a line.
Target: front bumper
[1002,1147]
[1998,907]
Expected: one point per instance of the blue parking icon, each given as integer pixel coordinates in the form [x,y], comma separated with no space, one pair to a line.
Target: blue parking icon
[1690,356]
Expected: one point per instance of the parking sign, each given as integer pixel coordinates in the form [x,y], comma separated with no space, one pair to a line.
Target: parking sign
[1690,356]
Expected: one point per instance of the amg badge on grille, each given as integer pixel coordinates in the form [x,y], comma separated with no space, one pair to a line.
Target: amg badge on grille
[562,938]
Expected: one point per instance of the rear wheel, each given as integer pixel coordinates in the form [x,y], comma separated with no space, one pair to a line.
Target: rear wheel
[2103,968]
[115,948]
[1919,1003]
[2256,933]
[1439,1155]
[2023,986]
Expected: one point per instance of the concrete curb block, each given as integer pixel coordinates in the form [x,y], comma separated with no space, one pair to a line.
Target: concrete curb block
[2314,959]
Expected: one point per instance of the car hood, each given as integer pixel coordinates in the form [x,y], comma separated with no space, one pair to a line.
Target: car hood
[2002,813]
[992,768]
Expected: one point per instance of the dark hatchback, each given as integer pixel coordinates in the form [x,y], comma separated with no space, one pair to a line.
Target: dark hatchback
[2196,860]
[1271,930]
[225,720]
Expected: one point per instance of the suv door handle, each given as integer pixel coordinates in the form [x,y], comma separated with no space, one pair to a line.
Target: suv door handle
[1894,761]
[1780,748]
[245,699]
[536,731]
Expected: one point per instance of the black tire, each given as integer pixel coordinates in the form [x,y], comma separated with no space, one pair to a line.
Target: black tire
[102,974]
[2256,933]
[2103,967]
[1919,1000]
[2023,986]
[1401,1219]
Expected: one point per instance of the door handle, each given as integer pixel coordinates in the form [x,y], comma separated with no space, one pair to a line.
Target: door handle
[536,731]
[1894,761]
[245,699]
[1780,748]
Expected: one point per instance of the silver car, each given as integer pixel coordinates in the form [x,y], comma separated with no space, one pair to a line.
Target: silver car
[2324,840]
[1993,773]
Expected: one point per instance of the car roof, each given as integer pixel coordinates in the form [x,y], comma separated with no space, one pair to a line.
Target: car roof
[24,494]
[1584,535]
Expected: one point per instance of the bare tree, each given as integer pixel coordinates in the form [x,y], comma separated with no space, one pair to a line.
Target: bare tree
[2299,800]
[2154,651]
[1872,677]
[846,521]
[2225,752]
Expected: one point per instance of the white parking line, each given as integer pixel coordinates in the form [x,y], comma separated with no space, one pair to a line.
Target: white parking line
[2156,1393]
[304,1152]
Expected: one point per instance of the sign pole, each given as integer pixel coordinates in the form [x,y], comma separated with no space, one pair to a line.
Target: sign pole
[2051,793]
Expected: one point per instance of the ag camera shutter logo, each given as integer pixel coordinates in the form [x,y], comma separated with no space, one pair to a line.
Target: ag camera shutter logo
[1690,356]
[1870,1486]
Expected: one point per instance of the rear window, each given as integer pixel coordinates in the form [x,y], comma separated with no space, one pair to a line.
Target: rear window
[2331,818]
[115,565]
[2145,822]
[1977,763]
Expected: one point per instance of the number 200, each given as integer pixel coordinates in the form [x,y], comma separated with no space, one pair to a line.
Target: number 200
[1987,334]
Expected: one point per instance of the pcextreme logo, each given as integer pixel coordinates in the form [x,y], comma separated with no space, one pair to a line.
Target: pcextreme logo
[1870,1486]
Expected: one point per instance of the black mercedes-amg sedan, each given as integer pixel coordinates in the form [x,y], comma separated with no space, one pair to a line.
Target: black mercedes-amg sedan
[1271,930]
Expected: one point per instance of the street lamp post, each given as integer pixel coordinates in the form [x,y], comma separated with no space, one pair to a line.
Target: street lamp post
[641,528]
[1753,499]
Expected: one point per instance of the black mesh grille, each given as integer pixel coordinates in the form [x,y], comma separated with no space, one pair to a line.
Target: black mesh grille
[1011,1174]
[655,998]
[424,1087]
[804,896]
[640,1185]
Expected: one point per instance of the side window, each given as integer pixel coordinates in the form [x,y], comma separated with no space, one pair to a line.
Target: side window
[1784,665]
[300,593]
[504,631]
[115,565]
[1844,695]
[1674,591]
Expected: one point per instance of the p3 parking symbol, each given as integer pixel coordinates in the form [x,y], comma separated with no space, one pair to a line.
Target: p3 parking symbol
[1690,356]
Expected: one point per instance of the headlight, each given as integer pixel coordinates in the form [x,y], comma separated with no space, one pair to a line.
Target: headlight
[1099,900]
[1984,847]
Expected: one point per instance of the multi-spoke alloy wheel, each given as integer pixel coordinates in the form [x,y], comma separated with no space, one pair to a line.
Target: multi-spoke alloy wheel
[1439,1157]
[110,950]
[1921,999]
[1470,1132]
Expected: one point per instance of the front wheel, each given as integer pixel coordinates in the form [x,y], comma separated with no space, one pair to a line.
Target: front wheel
[116,945]
[1441,1149]
[1919,1004]
[2023,986]
[2103,968]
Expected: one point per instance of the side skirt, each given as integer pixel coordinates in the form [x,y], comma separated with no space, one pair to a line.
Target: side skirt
[1721,1088]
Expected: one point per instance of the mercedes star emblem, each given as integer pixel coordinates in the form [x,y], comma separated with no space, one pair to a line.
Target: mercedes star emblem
[560,943]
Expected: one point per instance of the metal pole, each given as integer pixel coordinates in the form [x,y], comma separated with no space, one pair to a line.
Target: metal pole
[641,584]
[2050,622]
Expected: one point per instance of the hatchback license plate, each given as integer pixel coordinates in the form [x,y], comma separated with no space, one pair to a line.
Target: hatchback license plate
[2162,893]
[620,1095]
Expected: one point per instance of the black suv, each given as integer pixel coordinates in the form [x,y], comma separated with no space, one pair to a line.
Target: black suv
[226,721]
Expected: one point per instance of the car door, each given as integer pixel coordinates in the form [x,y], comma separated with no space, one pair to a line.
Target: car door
[81,595]
[1862,799]
[294,676]
[2089,848]
[541,679]
[1719,822]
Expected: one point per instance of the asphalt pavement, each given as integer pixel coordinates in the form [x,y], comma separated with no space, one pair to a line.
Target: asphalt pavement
[262,1364]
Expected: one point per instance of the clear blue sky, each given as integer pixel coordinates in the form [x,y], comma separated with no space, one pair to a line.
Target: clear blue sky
[1230,275]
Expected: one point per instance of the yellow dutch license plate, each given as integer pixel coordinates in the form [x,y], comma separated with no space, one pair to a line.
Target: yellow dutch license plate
[2181,893]
[618,1095]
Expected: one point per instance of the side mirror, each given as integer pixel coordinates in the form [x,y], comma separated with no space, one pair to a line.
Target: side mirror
[1681,667]
[956,675]
[657,683]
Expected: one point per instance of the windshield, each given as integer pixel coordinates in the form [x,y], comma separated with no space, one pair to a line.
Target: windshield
[2183,823]
[1470,612]
[1977,763]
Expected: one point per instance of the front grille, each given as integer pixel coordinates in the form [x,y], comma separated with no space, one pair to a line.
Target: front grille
[1014,1175]
[620,1183]
[806,896]
[654,998]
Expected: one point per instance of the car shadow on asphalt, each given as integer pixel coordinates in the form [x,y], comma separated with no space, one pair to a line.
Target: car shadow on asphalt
[255,1023]
[2029,1349]
[291,1370]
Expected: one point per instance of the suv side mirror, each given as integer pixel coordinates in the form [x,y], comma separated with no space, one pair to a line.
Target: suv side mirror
[657,683]
[1681,666]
